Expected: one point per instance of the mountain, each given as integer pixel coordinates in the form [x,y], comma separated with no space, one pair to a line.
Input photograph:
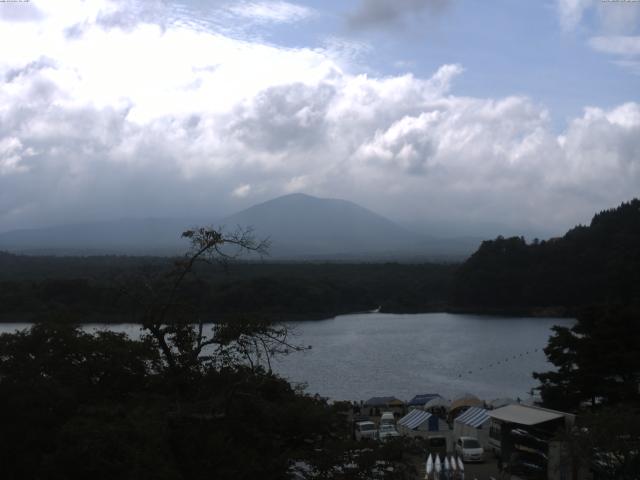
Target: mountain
[299,226]
[151,236]
[598,263]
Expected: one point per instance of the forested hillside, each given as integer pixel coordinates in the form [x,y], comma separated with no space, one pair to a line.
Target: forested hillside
[103,288]
[598,263]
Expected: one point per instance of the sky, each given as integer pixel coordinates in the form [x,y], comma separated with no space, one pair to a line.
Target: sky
[523,114]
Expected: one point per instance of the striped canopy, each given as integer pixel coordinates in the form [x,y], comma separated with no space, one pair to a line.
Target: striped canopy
[474,417]
[414,419]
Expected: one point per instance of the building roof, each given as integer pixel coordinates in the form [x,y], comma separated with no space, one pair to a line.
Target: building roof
[383,401]
[501,402]
[422,399]
[437,402]
[474,417]
[414,419]
[524,414]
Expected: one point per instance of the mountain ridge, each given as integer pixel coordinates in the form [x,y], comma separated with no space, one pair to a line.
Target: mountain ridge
[300,227]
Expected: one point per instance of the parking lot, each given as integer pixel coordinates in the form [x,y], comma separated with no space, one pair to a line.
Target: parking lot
[477,471]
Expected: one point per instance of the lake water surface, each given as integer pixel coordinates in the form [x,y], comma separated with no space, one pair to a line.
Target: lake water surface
[354,357]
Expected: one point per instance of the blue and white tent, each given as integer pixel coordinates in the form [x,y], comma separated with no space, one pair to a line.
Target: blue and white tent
[474,417]
[417,421]
[474,422]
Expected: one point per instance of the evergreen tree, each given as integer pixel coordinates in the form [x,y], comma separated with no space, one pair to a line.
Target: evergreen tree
[597,360]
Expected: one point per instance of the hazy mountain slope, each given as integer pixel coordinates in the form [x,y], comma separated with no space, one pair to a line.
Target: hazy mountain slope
[132,236]
[299,224]
[299,227]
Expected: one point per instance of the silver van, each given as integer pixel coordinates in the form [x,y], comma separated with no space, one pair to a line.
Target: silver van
[366,431]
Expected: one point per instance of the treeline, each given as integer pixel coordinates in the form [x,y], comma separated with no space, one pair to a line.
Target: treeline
[184,401]
[107,288]
[594,264]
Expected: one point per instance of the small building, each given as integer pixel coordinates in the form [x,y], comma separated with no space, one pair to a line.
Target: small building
[474,422]
[376,405]
[522,434]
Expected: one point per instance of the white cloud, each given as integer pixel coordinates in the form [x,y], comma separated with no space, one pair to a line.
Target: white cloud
[617,45]
[271,11]
[611,30]
[242,191]
[626,48]
[570,12]
[162,120]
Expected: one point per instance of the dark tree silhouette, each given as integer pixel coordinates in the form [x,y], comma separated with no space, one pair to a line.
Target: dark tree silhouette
[597,360]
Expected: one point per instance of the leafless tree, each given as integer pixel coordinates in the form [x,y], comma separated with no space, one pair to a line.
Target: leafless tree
[178,327]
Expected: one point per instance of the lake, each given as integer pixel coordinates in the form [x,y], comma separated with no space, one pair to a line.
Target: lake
[354,357]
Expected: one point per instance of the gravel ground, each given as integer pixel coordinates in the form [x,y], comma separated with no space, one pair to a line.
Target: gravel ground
[472,471]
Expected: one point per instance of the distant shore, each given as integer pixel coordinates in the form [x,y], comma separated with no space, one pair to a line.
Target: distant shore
[115,319]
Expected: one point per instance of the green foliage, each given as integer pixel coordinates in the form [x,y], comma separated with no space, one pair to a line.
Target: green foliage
[75,405]
[181,403]
[597,360]
[595,264]
[608,442]
[95,291]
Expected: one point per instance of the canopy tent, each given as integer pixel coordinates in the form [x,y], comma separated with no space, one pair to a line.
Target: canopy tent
[383,402]
[466,400]
[415,419]
[437,402]
[474,417]
[418,421]
[421,400]
[473,423]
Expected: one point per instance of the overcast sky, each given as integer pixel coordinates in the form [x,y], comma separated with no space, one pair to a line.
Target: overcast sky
[522,113]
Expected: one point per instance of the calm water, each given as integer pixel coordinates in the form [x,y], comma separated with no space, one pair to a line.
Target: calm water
[363,355]
[360,356]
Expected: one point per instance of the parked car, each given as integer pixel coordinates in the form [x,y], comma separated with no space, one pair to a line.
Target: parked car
[387,431]
[469,449]
[387,418]
[366,431]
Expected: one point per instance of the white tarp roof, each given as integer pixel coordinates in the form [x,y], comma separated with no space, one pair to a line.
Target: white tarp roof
[474,417]
[524,415]
[501,402]
[437,402]
[414,419]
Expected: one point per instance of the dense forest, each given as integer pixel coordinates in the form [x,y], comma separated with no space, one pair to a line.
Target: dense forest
[185,401]
[98,288]
[599,263]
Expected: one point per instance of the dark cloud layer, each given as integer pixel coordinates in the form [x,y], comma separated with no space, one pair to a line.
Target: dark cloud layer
[391,13]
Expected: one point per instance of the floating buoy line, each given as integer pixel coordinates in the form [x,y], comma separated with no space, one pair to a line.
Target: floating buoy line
[502,361]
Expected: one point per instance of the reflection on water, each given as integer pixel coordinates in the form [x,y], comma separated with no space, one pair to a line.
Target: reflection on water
[359,356]
[355,357]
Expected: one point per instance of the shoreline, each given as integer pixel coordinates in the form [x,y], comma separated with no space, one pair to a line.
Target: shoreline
[120,319]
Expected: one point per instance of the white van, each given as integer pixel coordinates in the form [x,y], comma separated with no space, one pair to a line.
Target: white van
[366,430]
[387,418]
